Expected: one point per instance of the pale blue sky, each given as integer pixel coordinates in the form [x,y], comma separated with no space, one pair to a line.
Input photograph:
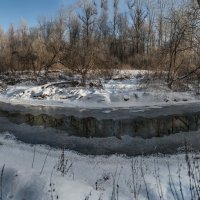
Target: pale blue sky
[11,11]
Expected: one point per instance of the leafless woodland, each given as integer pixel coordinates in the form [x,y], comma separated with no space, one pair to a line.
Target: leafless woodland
[158,35]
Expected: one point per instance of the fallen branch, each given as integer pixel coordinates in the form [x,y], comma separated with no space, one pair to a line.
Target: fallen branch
[73,83]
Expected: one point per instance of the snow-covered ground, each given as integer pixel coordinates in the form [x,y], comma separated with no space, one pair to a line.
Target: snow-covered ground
[129,91]
[31,173]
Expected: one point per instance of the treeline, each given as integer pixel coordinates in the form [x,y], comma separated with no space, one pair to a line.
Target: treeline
[161,35]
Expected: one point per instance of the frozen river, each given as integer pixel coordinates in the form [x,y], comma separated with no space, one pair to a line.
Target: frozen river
[125,144]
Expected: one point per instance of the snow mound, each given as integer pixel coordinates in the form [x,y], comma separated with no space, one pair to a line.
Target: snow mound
[131,91]
[31,173]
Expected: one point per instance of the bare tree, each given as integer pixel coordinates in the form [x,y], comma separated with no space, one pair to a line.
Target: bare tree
[113,46]
[161,34]
[74,27]
[179,45]
[138,16]
[103,20]
[52,37]
[82,44]
[88,20]
[122,35]
[198,1]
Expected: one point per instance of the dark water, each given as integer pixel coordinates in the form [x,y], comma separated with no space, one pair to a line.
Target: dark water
[98,146]
[128,145]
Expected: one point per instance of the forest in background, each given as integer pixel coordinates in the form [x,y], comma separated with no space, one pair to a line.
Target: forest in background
[161,36]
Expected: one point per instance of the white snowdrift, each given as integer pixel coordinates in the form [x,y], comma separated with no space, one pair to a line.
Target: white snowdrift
[88,177]
[130,92]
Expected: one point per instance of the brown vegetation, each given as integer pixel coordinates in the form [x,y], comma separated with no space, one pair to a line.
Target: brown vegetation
[153,35]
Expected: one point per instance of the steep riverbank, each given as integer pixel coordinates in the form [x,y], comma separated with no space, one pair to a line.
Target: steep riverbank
[47,125]
[145,123]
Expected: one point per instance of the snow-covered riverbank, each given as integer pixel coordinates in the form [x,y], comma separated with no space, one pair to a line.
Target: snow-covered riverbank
[40,172]
[31,173]
[128,89]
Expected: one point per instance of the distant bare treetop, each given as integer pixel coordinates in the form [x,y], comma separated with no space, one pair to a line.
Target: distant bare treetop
[101,36]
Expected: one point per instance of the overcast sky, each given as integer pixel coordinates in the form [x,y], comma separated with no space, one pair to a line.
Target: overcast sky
[12,11]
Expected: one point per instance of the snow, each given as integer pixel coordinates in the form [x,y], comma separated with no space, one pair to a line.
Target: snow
[89,177]
[129,91]
[31,171]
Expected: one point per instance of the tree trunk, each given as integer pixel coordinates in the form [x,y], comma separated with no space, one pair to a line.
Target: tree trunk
[198,1]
